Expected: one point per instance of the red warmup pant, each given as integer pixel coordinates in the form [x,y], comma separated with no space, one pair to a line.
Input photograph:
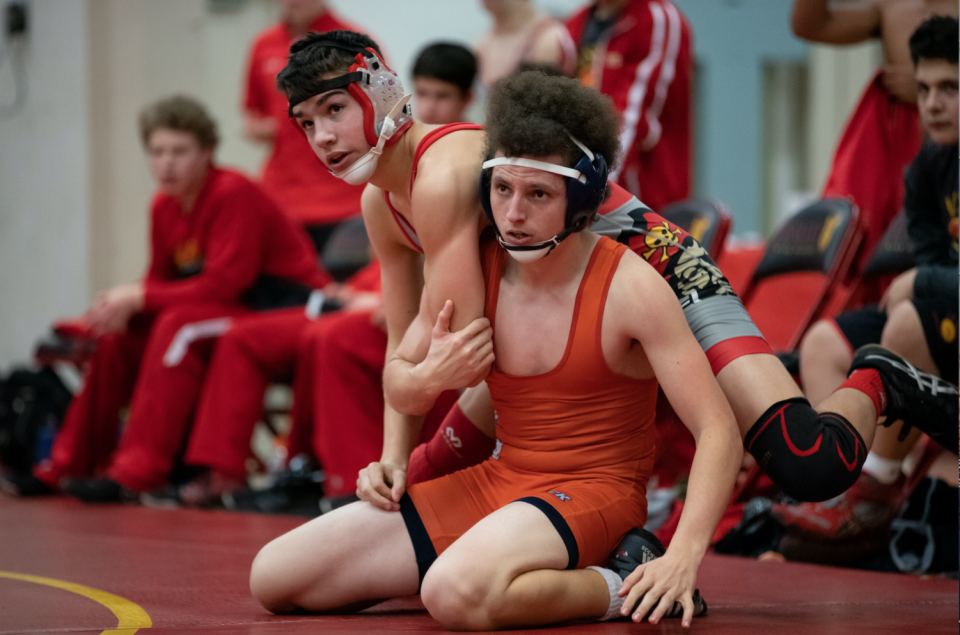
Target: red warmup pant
[337,364]
[258,349]
[880,140]
[345,353]
[129,368]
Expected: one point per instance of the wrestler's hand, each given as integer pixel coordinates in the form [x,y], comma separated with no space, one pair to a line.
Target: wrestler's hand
[460,359]
[112,310]
[382,485]
[661,582]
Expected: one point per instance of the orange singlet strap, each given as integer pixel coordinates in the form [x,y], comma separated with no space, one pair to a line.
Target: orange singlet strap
[583,352]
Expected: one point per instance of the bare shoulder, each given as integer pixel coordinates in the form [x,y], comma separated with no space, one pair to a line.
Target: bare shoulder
[461,150]
[638,291]
[447,180]
[548,48]
[372,203]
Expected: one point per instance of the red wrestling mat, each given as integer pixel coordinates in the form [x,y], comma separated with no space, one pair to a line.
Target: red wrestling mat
[131,569]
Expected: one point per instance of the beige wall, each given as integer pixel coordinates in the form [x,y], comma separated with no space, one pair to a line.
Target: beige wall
[140,51]
[837,78]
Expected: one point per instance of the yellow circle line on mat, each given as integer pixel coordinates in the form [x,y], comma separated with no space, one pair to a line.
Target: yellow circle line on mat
[130,617]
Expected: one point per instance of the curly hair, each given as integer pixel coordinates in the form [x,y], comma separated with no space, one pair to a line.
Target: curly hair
[935,39]
[310,60]
[533,113]
[180,113]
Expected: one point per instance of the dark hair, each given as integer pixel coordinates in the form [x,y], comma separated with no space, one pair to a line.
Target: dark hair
[180,113]
[533,113]
[935,39]
[449,63]
[310,60]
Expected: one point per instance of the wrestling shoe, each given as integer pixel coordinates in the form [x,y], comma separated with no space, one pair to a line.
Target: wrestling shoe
[866,509]
[913,396]
[296,492]
[98,490]
[207,489]
[23,485]
[638,547]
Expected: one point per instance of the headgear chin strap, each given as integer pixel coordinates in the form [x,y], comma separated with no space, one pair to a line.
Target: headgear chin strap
[364,167]
[586,185]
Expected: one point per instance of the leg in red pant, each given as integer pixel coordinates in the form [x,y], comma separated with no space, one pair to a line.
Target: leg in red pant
[166,393]
[91,427]
[258,349]
[347,352]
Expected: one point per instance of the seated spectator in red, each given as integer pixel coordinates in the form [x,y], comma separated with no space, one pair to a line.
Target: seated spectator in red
[292,175]
[335,361]
[640,54]
[219,245]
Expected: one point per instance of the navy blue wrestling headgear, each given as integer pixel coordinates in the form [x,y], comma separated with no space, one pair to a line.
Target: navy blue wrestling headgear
[586,185]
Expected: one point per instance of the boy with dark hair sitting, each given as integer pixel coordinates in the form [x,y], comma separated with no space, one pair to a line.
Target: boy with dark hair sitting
[443,77]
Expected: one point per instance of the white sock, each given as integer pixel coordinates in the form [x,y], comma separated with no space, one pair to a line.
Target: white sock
[614,583]
[884,470]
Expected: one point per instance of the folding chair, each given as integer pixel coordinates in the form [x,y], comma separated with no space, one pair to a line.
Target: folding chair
[348,249]
[811,257]
[892,256]
[706,220]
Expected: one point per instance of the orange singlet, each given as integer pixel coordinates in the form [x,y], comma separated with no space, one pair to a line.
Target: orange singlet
[577,442]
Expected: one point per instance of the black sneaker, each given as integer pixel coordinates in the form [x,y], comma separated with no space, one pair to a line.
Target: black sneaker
[23,485]
[296,492]
[98,490]
[638,547]
[913,396]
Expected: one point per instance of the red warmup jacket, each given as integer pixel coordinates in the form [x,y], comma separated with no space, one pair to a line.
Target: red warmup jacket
[293,175]
[644,63]
[234,233]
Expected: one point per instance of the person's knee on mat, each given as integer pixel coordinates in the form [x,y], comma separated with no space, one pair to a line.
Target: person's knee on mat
[457,598]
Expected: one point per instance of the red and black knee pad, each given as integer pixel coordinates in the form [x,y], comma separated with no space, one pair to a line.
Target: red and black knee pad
[809,455]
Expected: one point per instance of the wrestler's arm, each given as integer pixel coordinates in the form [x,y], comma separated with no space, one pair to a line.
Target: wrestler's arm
[383,483]
[815,21]
[646,310]
[450,360]
[447,215]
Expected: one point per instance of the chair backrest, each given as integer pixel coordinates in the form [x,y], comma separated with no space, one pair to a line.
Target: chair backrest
[891,256]
[706,220]
[894,253]
[811,256]
[347,251]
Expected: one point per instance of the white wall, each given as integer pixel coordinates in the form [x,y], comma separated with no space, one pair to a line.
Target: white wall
[45,178]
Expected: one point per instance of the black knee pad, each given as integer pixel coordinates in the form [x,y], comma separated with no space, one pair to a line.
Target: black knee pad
[810,456]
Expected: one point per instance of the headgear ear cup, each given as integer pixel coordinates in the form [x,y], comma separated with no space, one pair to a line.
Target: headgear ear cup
[583,199]
[378,91]
[369,81]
